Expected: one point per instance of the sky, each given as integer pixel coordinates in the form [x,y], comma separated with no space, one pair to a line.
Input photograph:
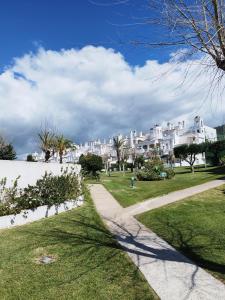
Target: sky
[71,65]
[27,24]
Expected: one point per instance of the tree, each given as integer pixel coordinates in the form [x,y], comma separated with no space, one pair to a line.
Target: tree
[46,138]
[7,152]
[188,153]
[91,163]
[118,145]
[30,158]
[215,151]
[196,26]
[61,144]
[105,159]
[139,161]
[124,156]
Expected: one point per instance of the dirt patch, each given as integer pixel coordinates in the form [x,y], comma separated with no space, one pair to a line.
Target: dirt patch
[42,256]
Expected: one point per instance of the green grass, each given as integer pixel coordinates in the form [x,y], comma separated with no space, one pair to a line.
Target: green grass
[119,184]
[89,264]
[196,227]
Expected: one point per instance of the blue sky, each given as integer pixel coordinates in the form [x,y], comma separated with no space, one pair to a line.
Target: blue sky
[56,24]
[76,69]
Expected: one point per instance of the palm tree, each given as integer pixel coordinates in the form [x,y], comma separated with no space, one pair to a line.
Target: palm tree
[124,156]
[61,145]
[46,142]
[118,144]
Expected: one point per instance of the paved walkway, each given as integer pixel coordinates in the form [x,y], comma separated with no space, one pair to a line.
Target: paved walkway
[169,273]
[171,197]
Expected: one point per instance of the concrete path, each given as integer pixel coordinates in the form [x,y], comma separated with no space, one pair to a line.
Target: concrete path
[171,197]
[169,273]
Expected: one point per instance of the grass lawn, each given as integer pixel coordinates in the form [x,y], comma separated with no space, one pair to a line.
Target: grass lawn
[88,264]
[119,184]
[196,227]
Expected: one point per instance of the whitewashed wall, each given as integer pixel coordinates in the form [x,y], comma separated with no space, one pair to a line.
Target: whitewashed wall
[29,171]
[41,212]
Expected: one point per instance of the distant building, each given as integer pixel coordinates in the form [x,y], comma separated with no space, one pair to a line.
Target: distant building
[158,138]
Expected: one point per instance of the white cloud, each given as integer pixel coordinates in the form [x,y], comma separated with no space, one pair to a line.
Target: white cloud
[93,92]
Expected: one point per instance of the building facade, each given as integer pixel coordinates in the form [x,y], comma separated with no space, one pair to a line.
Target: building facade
[160,139]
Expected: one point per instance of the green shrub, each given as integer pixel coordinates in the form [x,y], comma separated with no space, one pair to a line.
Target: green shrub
[170,173]
[30,158]
[148,175]
[153,169]
[91,164]
[49,190]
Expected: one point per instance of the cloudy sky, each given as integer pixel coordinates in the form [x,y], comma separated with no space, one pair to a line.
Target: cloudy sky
[94,90]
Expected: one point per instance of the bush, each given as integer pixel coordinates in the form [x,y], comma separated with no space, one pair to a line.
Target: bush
[91,164]
[152,170]
[30,158]
[148,175]
[49,190]
[170,173]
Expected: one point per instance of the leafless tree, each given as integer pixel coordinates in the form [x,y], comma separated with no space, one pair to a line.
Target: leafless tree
[198,26]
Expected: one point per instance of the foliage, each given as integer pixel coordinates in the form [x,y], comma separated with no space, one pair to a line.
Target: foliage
[46,138]
[188,153]
[139,161]
[148,175]
[50,143]
[118,144]
[48,190]
[220,131]
[7,152]
[170,173]
[91,164]
[62,144]
[30,158]
[215,152]
[8,196]
[153,169]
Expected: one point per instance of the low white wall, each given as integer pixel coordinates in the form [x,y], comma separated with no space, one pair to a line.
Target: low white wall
[27,216]
[29,171]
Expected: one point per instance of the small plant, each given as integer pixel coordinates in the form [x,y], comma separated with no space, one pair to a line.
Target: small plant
[8,196]
[170,173]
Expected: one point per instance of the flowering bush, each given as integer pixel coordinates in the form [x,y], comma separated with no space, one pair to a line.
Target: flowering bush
[49,190]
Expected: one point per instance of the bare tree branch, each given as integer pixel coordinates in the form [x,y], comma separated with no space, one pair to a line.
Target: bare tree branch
[198,25]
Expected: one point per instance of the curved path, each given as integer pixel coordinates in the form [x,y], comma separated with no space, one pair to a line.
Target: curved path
[169,273]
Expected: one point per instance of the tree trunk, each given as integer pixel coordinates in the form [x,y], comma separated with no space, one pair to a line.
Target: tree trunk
[123,168]
[132,168]
[47,155]
[60,158]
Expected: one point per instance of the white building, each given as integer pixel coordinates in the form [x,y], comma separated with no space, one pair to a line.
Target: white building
[174,135]
[158,138]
